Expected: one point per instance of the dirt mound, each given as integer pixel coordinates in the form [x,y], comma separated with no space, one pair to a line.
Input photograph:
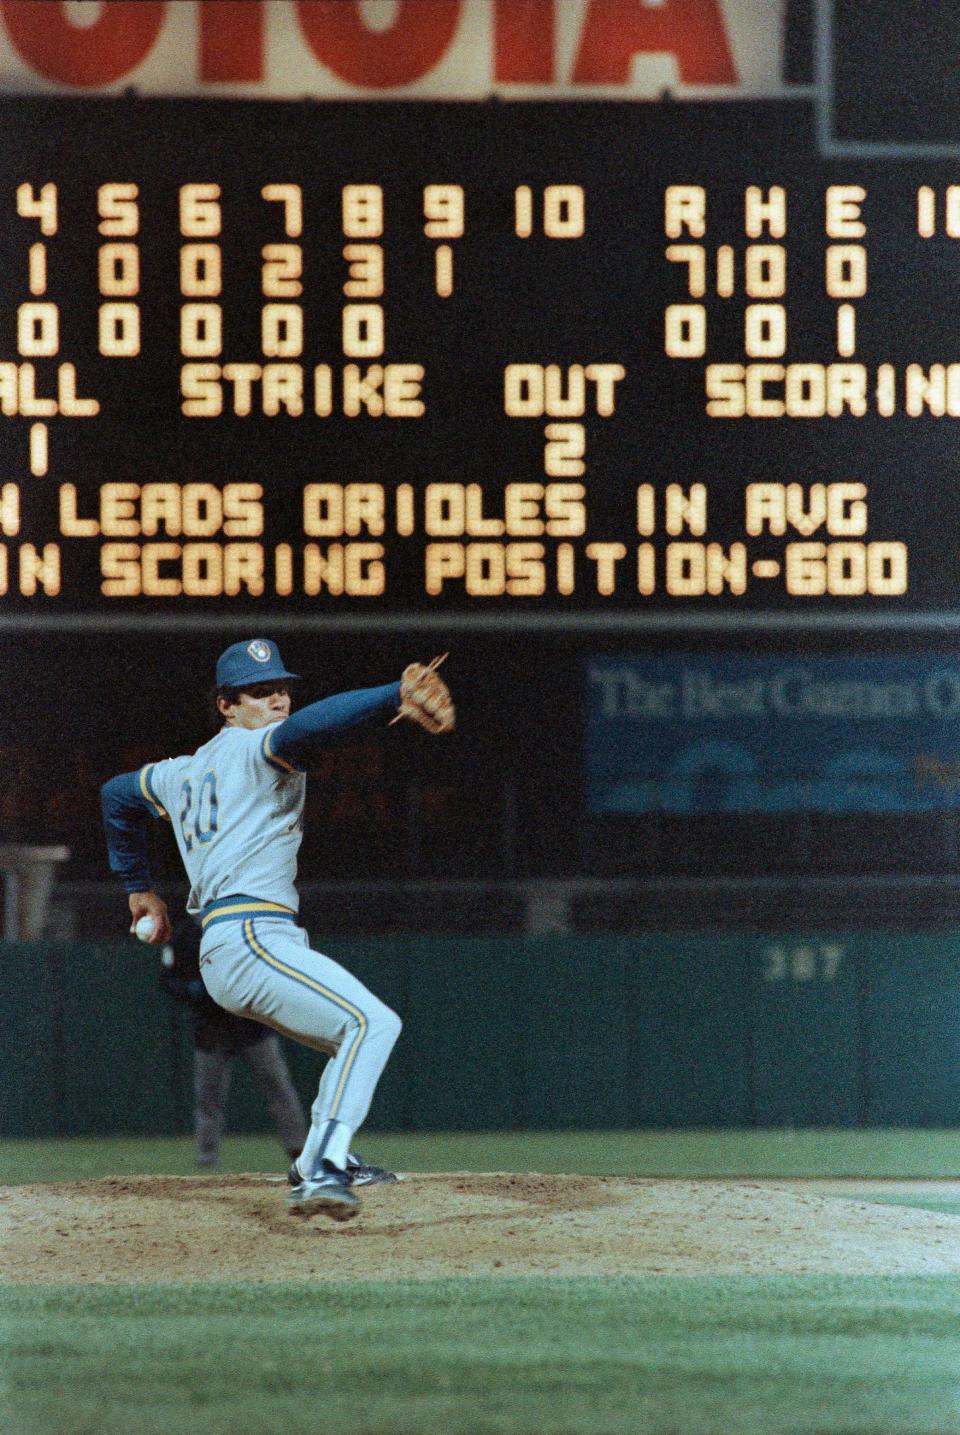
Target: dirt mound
[201,1228]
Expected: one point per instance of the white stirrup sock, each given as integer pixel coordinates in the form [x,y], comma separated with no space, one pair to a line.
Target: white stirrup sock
[329,1142]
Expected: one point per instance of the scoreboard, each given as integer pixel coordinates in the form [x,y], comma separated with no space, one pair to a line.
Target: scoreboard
[536,364]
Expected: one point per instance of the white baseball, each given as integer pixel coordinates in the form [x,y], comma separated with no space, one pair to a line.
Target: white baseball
[145,928]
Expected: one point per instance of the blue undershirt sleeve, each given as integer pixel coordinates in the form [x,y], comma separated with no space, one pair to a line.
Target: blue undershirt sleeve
[127,809]
[292,744]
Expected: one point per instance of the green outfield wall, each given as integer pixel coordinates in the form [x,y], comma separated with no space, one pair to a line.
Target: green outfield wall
[737,1030]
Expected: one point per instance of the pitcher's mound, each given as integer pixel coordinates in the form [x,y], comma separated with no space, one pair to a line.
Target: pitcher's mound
[202,1228]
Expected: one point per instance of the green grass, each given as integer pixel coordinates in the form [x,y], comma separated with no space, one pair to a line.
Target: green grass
[502,1357]
[497,1356]
[950,1205]
[813,1153]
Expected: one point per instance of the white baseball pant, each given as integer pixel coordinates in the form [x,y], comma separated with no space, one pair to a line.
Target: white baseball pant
[263,967]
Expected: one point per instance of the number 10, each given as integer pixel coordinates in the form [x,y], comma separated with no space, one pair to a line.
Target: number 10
[564,211]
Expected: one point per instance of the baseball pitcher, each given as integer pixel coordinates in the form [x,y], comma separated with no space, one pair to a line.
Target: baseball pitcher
[236,808]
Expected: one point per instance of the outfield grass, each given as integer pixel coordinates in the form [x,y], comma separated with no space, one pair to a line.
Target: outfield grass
[752,1154]
[919,1200]
[504,1357]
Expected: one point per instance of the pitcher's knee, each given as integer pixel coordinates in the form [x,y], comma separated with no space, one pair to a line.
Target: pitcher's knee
[385,1024]
[378,1025]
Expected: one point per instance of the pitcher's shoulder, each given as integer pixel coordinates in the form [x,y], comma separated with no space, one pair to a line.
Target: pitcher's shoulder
[231,739]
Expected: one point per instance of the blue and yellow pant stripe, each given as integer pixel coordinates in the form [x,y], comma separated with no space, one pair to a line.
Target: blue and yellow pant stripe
[263,955]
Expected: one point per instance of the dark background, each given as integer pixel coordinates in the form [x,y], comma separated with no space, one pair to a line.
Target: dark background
[502,797]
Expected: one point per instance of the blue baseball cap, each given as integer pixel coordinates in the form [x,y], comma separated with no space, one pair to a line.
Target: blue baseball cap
[250,662]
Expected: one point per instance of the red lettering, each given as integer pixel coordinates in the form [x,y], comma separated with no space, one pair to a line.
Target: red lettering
[122,34]
[378,59]
[523,41]
[616,30]
[231,40]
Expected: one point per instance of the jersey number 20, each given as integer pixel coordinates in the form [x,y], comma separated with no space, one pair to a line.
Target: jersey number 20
[204,827]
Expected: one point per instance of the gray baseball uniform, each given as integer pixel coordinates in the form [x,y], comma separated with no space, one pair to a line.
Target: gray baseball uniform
[236,808]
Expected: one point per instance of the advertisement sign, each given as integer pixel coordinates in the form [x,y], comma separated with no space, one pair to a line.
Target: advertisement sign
[681,734]
[368,49]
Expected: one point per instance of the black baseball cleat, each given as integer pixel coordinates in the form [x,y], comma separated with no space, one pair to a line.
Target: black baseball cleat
[357,1169]
[328,1194]
[362,1174]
